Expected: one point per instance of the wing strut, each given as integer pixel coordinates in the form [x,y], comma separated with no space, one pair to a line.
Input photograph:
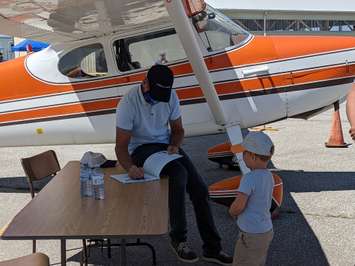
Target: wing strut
[191,46]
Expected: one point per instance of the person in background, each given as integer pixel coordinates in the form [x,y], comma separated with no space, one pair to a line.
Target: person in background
[143,119]
[253,201]
[162,59]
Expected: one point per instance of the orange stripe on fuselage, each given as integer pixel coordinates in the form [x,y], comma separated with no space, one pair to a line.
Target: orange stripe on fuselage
[56,111]
[17,83]
[265,83]
[270,48]
[225,88]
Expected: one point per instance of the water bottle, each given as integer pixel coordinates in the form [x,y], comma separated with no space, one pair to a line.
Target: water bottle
[98,183]
[85,181]
[89,186]
[84,176]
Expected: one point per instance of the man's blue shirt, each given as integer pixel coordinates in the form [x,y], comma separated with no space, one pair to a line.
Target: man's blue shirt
[148,123]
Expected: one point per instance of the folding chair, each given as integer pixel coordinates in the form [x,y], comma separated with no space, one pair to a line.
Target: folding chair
[35,259]
[38,167]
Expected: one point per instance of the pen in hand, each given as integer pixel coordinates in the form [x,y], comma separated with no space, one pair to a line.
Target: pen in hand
[135,172]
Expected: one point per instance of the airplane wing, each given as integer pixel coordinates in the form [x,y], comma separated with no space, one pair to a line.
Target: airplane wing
[68,20]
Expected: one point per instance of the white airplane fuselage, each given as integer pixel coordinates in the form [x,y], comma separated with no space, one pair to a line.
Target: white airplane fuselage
[263,80]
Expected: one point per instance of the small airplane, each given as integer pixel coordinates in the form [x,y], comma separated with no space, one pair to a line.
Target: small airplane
[225,77]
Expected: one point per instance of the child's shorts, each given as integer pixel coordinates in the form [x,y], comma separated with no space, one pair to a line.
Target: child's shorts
[251,249]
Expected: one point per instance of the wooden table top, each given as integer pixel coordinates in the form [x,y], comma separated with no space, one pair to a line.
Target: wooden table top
[58,211]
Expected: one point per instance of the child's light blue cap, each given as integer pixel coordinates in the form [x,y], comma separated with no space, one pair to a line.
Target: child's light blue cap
[259,143]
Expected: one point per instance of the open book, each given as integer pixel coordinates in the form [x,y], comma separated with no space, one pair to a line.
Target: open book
[152,167]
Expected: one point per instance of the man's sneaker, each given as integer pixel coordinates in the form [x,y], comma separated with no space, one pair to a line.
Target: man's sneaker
[220,258]
[183,252]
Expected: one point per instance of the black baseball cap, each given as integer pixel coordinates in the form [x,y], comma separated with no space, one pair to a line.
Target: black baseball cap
[161,80]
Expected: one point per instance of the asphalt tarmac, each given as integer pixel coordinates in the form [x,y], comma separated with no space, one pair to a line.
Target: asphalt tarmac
[317,221]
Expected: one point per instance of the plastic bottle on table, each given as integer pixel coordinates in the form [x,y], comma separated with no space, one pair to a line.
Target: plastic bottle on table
[85,181]
[98,184]
[90,189]
[84,176]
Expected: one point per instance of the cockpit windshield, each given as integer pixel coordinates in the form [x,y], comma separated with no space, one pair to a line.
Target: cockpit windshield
[217,31]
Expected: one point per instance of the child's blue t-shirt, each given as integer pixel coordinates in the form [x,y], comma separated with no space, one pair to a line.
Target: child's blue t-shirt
[258,185]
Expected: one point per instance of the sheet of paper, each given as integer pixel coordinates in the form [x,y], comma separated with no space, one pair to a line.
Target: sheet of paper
[124,178]
[155,162]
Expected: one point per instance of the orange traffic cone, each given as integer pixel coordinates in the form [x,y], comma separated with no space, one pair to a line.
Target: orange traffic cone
[336,138]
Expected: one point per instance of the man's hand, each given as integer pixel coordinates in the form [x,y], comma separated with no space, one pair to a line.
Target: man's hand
[135,172]
[172,149]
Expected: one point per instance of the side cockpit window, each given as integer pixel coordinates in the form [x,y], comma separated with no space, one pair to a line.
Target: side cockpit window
[143,51]
[217,31]
[84,62]
[123,57]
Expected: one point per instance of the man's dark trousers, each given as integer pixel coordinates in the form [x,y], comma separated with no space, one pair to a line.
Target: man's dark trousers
[184,177]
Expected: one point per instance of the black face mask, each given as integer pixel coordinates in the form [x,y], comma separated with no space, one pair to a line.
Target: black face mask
[148,98]
[159,93]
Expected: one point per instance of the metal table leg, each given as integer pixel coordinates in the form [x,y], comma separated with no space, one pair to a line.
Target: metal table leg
[63,252]
[123,252]
[123,245]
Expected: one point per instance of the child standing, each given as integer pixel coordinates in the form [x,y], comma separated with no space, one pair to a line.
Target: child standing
[253,202]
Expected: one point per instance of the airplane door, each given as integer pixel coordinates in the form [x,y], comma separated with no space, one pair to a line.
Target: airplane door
[136,54]
[251,83]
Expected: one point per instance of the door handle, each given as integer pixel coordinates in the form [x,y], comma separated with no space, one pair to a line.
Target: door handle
[254,71]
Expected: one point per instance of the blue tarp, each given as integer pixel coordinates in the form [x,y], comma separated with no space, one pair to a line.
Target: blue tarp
[22,46]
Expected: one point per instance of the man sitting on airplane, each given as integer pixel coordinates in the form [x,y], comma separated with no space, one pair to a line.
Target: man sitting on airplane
[143,116]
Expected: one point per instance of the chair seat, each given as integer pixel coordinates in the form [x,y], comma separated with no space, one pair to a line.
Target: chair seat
[35,259]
